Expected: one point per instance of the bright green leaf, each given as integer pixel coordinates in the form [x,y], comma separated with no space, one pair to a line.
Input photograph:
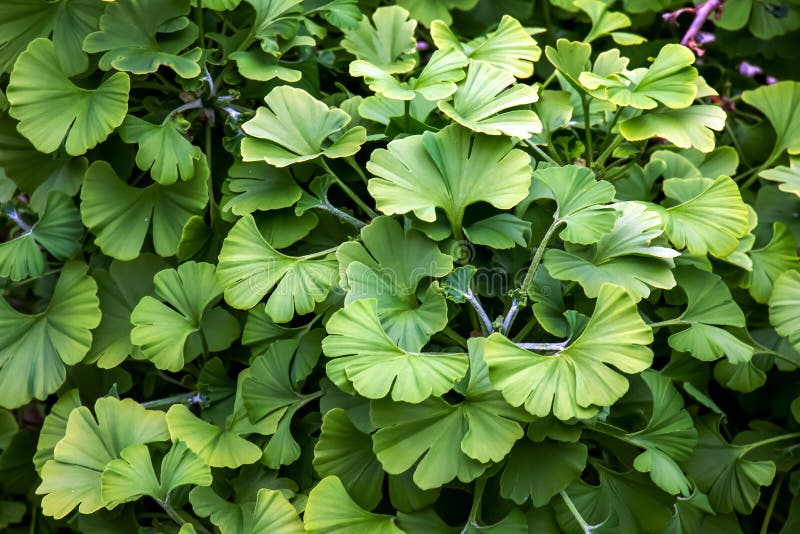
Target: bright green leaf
[330,510]
[52,110]
[389,44]
[163,148]
[685,128]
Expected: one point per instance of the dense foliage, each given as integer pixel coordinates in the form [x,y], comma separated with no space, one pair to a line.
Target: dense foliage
[432,266]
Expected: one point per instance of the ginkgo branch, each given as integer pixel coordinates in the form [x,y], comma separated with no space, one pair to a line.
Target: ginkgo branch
[520,300]
[769,441]
[486,323]
[194,397]
[194,104]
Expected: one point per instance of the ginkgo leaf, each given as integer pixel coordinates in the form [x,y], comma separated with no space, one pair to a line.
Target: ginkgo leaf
[249,268]
[436,81]
[540,470]
[784,305]
[139,36]
[624,256]
[669,436]
[259,187]
[297,127]
[344,14]
[132,476]
[330,510]
[483,101]
[770,262]
[670,80]
[509,47]
[52,110]
[263,67]
[501,231]
[35,348]
[58,231]
[215,446]
[428,11]
[710,306]
[37,174]
[570,58]
[787,177]
[449,170]
[269,512]
[604,22]
[721,470]
[366,357]
[274,21]
[346,452]
[580,201]
[387,42]
[685,128]
[710,217]
[576,381]
[54,427]
[185,322]
[73,477]
[389,266]
[120,288]
[780,103]
[121,226]
[68,20]
[163,148]
[447,441]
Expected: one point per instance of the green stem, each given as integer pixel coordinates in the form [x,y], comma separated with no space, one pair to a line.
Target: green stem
[175,516]
[601,159]
[198,15]
[350,160]
[771,506]
[406,114]
[193,397]
[549,80]
[544,155]
[668,322]
[347,191]
[525,331]
[346,217]
[319,254]
[588,127]
[736,144]
[155,86]
[477,500]
[587,529]
[212,203]
[455,337]
[548,347]
[769,441]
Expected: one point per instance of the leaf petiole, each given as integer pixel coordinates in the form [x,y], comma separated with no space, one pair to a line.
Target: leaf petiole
[587,529]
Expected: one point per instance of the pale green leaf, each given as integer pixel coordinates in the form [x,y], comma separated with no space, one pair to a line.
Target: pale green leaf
[73,477]
[366,357]
[330,510]
[52,110]
[685,128]
[387,42]
[297,127]
[576,381]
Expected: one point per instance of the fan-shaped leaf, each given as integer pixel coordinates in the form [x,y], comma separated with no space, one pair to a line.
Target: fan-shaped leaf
[73,476]
[685,128]
[780,103]
[771,261]
[330,510]
[624,256]
[186,322]
[129,37]
[121,226]
[509,47]
[375,365]
[427,11]
[580,200]
[387,42]
[388,267]
[215,446]
[54,427]
[346,452]
[34,349]
[710,218]
[120,288]
[163,148]
[249,268]
[259,187]
[444,440]
[52,110]
[132,476]
[784,307]
[270,512]
[577,380]
[58,230]
[483,101]
[449,169]
[297,127]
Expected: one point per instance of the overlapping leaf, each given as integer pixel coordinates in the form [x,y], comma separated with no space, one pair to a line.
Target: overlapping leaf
[576,381]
